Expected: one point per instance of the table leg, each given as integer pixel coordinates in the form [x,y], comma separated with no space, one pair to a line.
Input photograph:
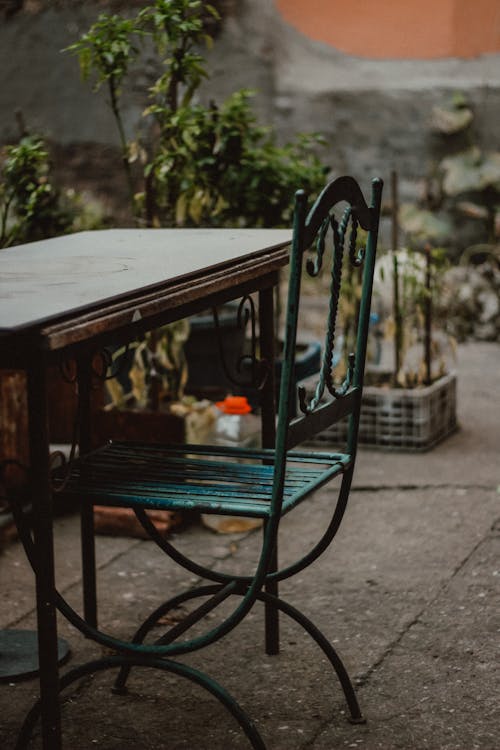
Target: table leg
[87,534]
[268,407]
[44,554]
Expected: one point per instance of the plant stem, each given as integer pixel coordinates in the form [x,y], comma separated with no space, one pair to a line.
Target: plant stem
[5,214]
[398,323]
[123,140]
[428,315]
[149,199]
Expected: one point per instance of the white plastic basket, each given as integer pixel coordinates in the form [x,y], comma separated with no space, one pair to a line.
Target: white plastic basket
[401,419]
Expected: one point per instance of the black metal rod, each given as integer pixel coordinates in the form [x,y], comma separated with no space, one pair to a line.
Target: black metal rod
[149,623]
[87,535]
[268,408]
[267,355]
[196,615]
[279,604]
[271,615]
[43,552]
[328,650]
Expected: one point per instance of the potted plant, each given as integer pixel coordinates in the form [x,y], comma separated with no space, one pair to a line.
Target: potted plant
[193,164]
[409,397]
[146,396]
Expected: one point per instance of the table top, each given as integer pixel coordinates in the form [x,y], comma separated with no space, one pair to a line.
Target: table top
[47,280]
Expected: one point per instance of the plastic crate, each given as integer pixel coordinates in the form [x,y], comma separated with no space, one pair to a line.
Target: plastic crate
[401,419]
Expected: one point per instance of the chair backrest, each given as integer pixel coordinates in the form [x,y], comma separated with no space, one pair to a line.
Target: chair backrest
[311,232]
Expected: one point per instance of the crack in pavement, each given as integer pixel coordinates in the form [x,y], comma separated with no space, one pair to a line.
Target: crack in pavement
[365,676]
[77,581]
[361,680]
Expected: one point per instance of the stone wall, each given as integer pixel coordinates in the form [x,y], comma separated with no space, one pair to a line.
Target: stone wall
[374,114]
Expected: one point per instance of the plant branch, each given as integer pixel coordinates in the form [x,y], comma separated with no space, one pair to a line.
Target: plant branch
[398,321]
[113,93]
[5,215]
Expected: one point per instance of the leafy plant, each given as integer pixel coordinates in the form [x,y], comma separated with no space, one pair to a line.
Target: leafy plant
[191,164]
[106,51]
[157,371]
[201,164]
[414,280]
[31,207]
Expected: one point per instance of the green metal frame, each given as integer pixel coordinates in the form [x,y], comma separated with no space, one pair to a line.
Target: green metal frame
[146,476]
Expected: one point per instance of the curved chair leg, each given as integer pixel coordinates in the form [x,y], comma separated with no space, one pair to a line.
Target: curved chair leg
[182,670]
[327,648]
[356,716]
[271,600]
[272,626]
[120,687]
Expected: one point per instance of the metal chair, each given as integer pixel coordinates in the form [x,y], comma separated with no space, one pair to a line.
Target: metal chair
[265,483]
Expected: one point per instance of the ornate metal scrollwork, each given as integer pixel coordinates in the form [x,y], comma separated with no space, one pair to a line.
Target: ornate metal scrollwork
[108,364]
[60,468]
[102,369]
[246,313]
[339,231]
[355,258]
[68,369]
[314,266]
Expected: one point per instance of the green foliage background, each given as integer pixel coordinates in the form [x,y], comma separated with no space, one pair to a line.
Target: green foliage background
[200,165]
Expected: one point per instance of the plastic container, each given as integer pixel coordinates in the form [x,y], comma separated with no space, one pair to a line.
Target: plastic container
[235,426]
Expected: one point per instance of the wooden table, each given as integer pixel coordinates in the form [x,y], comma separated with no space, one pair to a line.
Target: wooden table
[71,296]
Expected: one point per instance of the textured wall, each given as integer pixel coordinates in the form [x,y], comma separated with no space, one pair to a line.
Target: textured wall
[374,113]
[412,29]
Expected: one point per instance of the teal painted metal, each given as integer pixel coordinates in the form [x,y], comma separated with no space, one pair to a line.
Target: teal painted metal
[269,482]
[150,477]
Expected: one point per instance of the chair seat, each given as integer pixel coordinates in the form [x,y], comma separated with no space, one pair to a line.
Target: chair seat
[211,479]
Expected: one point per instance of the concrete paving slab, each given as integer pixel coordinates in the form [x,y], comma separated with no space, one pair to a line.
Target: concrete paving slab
[408,594]
[16,578]
[438,685]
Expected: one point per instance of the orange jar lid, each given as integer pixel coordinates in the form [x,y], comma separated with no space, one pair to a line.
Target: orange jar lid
[234,405]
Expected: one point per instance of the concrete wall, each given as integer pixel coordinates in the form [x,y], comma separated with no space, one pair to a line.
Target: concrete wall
[373,112]
[44,83]
[413,29]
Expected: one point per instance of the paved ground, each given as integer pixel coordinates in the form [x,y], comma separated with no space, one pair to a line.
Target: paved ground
[409,594]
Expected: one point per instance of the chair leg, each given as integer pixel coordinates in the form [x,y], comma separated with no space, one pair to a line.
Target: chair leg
[271,614]
[120,684]
[87,534]
[268,405]
[201,679]
[356,716]
[88,565]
